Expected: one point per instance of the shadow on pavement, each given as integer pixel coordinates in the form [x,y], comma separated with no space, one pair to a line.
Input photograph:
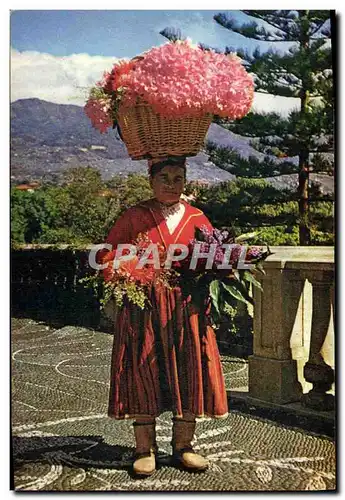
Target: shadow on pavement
[83,452]
[79,452]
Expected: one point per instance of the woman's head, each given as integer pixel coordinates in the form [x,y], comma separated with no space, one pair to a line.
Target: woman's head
[167,179]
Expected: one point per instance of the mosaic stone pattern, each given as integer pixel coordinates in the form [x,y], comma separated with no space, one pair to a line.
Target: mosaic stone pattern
[64,441]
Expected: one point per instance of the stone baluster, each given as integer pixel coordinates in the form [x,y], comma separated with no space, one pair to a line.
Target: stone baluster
[273,373]
[317,371]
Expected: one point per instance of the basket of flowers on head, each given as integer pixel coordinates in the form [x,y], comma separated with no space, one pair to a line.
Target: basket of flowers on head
[164,101]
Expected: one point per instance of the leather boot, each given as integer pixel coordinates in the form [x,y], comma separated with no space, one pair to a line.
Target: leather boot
[183,433]
[146,448]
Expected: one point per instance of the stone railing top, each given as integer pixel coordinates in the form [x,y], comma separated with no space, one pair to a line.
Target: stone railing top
[50,246]
[288,257]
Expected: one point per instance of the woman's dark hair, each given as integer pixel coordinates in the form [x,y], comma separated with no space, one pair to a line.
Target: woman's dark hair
[157,167]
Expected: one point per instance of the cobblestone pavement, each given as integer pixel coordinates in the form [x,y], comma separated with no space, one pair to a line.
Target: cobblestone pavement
[64,441]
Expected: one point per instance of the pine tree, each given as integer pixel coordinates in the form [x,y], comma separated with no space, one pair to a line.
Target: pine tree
[304,71]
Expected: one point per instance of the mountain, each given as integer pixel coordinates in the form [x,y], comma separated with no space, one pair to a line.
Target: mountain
[48,138]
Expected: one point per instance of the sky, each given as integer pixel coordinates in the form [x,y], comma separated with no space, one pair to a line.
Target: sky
[56,55]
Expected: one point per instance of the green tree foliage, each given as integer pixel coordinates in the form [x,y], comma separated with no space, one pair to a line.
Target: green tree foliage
[230,160]
[304,71]
[32,212]
[80,211]
[87,208]
[131,189]
[246,204]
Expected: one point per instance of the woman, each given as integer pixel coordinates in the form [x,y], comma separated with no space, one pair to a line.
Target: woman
[165,359]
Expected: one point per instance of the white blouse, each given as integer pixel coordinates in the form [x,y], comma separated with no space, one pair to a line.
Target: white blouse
[173,214]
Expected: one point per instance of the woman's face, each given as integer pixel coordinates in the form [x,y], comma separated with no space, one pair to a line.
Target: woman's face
[168,184]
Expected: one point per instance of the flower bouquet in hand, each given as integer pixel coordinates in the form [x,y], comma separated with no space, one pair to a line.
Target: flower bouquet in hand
[221,266]
[128,280]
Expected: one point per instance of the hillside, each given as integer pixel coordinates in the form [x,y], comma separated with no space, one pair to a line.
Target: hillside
[47,138]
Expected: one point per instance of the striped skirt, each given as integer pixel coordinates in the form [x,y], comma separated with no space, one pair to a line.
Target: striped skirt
[165,359]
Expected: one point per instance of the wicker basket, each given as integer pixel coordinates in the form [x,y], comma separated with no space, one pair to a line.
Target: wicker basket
[150,135]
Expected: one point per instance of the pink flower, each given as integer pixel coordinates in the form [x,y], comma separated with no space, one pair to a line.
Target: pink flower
[190,81]
[254,253]
[235,255]
[99,113]
[179,80]
[118,76]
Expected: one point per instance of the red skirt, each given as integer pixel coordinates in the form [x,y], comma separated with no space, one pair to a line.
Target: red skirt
[165,359]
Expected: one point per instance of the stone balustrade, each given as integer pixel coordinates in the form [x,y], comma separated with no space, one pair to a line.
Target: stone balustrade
[293,345]
[293,349]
